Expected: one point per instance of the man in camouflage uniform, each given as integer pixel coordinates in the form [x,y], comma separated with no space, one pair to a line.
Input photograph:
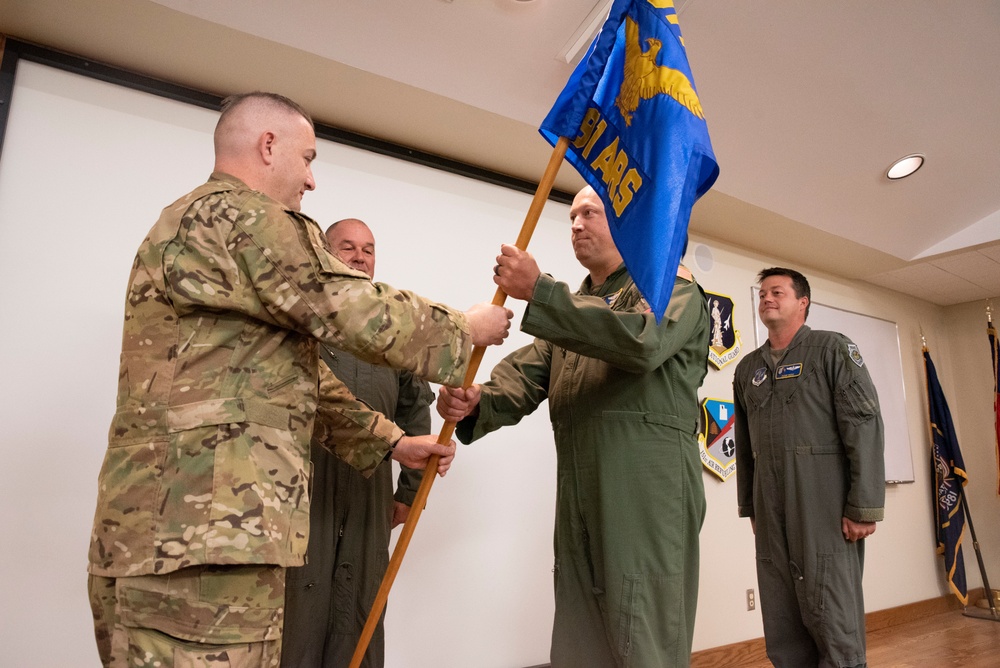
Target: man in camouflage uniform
[622,394]
[202,497]
[351,518]
[810,476]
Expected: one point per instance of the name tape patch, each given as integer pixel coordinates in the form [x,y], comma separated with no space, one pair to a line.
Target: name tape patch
[788,371]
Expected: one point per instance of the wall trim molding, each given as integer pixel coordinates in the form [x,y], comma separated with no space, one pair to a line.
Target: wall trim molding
[752,651]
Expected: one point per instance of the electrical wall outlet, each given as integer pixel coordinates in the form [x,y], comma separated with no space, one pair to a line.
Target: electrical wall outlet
[751,600]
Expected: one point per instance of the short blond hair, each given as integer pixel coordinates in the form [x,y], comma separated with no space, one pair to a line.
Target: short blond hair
[266,100]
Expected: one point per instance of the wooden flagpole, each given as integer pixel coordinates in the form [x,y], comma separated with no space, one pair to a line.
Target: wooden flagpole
[527,229]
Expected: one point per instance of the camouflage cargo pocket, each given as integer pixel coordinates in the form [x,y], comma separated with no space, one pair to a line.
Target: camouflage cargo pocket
[207,604]
[152,649]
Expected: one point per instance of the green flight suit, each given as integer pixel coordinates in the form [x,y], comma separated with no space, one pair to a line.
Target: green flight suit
[809,451]
[327,600]
[630,500]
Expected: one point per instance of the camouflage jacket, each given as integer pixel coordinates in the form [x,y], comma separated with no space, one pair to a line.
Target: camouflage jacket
[208,450]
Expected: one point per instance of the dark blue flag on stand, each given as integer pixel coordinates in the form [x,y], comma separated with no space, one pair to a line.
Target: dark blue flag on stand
[991,333]
[638,136]
[949,479]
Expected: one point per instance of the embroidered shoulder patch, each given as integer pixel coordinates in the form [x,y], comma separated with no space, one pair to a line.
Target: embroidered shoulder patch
[855,354]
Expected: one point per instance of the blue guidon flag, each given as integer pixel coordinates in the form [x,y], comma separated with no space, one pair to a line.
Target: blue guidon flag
[949,480]
[638,136]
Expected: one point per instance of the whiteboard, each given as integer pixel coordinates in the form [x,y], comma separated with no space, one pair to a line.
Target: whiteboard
[878,341]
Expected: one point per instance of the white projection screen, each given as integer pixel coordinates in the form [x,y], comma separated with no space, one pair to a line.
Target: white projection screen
[86,168]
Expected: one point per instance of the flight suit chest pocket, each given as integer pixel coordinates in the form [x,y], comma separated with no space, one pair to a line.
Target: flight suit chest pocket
[758,395]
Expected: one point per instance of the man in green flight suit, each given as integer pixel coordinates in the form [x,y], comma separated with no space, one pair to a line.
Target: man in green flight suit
[622,394]
[203,495]
[328,599]
[810,476]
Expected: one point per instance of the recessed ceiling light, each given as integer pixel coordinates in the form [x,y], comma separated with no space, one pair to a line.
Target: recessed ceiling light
[905,166]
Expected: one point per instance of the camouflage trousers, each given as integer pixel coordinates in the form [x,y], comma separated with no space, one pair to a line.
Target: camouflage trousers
[197,617]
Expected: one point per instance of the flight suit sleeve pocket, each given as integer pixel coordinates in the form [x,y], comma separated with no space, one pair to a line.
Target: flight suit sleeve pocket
[858,402]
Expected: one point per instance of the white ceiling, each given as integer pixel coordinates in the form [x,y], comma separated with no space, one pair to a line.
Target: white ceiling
[807,104]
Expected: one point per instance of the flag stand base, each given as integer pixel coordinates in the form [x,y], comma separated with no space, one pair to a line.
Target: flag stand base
[985,608]
[982,613]
[990,610]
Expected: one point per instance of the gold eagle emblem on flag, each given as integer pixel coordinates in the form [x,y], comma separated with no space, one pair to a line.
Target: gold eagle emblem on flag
[644,79]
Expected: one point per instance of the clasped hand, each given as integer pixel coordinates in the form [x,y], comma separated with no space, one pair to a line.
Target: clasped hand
[416,451]
[516,272]
[454,403]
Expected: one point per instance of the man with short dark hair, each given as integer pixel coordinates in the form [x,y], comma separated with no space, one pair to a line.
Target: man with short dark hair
[203,496]
[810,476]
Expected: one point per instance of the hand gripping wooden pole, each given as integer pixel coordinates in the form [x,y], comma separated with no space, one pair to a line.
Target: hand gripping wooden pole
[527,229]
